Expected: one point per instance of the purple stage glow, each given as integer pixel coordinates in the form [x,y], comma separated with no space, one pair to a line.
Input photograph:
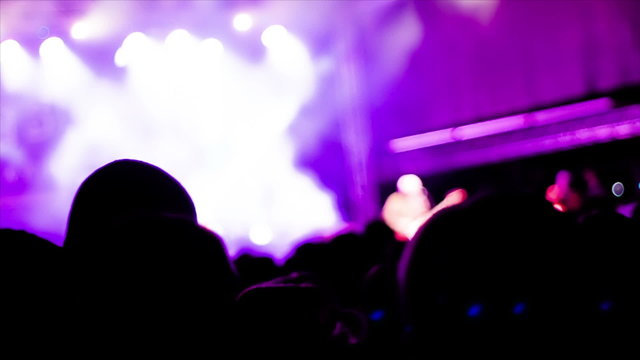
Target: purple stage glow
[501,125]
[278,116]
[213,119]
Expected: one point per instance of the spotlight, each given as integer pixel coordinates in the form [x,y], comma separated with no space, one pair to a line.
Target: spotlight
[51,47]
[9,51]
[242,22]
[80,30]
[132,46]
[211,47]
[260,234]
[409,184]
[178,39]
[274,36]
[17,67]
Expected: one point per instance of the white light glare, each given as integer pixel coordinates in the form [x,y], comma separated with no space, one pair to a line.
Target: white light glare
[9,49]
[211,47]
[274,36]
[131,46]
[51,48]
[242,22]
[81,30]
[16,66]
[260,234]
[178,40]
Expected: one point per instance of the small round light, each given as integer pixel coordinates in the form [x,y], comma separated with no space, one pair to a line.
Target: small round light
[242,22]
[617,189]
[80,30]
[409,184]
[519,308]
[474,310]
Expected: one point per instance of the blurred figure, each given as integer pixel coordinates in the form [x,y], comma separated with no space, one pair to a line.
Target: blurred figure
[410,206]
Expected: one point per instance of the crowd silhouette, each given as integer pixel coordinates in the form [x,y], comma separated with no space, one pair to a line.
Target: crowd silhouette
[495,274]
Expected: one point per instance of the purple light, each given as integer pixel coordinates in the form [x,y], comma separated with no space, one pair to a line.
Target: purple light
[16,66]
[617,189]
[418,141]
[491,127]
[501,125]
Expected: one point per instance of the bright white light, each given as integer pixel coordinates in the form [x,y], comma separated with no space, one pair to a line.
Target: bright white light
[178,40]
[236,161]
[133,46]
[274,36]
[9,49]
[211,47]
[51,48]
[120,58]
[134,39]
[242,22]
[409,184]
[16,66]
[63,73]
[260,234]
[81,30]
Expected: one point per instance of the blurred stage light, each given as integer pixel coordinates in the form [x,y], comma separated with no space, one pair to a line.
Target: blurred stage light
[16,66]
[211,48]
[617,189]
[179,40]
[410,184]
[235,160]
[260,234]
[51,48]
[242,22]
[81,30]
[274,36]
[560,207]
[132,46]
[64,75]
[9,49]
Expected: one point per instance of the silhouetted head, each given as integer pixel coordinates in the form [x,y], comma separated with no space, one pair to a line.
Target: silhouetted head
[119,190]
[477,272]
